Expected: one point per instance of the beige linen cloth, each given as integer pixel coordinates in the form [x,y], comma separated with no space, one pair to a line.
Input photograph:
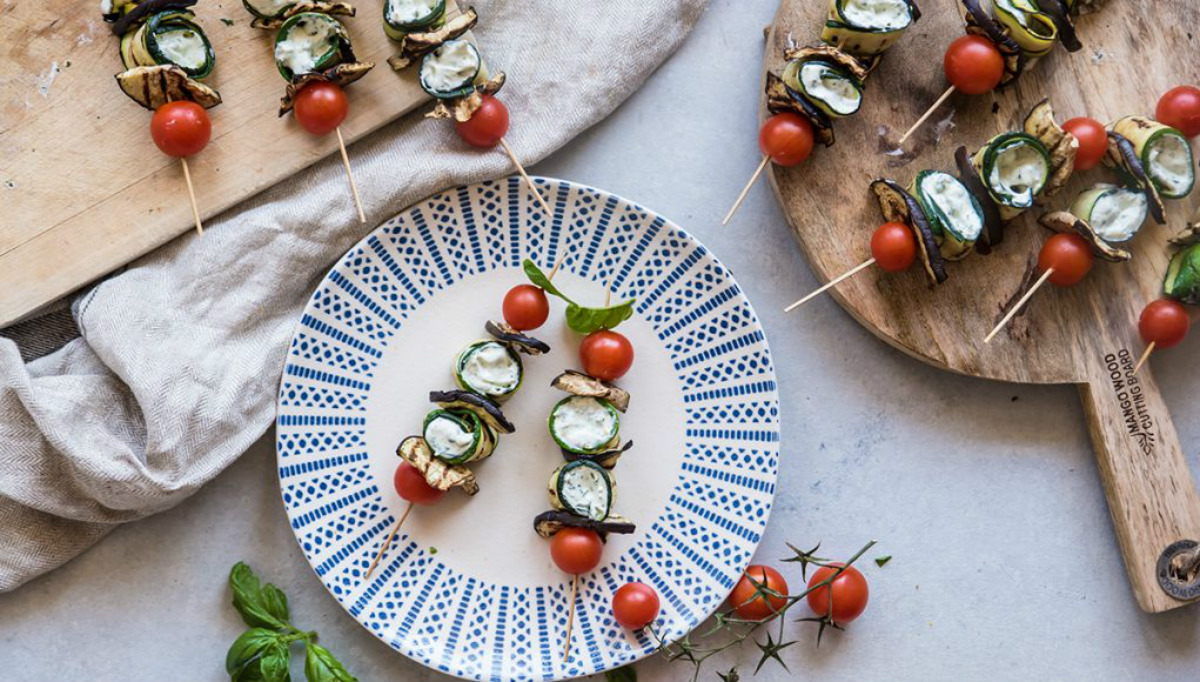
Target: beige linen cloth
[177,366]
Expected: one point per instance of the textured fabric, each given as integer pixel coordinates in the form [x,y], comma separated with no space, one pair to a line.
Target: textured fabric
[176,369]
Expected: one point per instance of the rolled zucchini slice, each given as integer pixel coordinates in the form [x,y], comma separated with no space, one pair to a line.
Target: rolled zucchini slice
[1164,153]
[1183,276]
[1015,168]
[457,436]
[401,17]
[829,87]
[584,488]
[1033,30]
[489,368]
[866,28]
[267,9]
[170,37]
[954,214]
[584,425]
[1115,213]
[310,42]
[452,70]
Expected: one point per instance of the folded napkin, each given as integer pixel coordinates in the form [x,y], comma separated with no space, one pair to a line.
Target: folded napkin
[178,363]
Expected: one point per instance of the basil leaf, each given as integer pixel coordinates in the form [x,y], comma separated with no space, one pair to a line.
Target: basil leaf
[274,663]
[538,278]
[249,601]
[275,602]
[588,320]
[321,666]
[625,673]
[247,648]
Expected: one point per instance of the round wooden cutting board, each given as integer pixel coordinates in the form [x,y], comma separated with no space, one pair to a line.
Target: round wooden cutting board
[1085,335]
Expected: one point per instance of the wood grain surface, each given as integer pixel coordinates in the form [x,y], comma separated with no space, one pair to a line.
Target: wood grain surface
[83,189]
[1084,335]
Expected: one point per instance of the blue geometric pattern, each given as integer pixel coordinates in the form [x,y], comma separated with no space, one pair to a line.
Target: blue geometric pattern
[467,625]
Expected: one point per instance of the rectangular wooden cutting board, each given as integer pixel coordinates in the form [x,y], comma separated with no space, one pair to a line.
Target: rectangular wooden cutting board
[83,189]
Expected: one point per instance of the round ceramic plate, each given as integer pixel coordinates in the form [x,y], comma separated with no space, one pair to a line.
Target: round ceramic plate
[467,587]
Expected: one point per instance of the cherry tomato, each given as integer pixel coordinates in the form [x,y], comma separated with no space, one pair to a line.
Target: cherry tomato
[635,605]
[1071,257]
[893,247]
[787,138]
[748,604]
[576,550]
[1093,141]
[180,128]
[410,485]
[526,307]
[487,125]
[849,594]
[973,65]
[1164,323]
[1180,109]
[606,355]
[321,107]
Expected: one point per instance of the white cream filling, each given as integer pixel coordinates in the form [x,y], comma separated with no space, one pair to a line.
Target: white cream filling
[184,48]
[447,439]
[271,8]
[832,88]
[408,11]
[883,15]
[491,369]
[307,41]
[585,490]
[1118,214]
[1018,171]
[451,66]
[584,423]
[954,201]
[106,6]
[1170,164]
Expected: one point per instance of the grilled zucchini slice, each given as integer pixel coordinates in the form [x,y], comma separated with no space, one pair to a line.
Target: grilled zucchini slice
[829,87]
[584,488]
[457,436]
[1033,30]
[1183,276]
[866,28]
[402,17]
[954,214]
[267,9]
[452,70]
[1164,153]
[584,425]
[1115,213]
[1015,168]
[310,42]
[489,368]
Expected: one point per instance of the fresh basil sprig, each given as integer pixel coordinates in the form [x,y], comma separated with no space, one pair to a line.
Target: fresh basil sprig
[263,653]
[582,319]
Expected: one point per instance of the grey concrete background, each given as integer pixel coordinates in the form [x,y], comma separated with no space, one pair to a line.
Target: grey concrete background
[986,494]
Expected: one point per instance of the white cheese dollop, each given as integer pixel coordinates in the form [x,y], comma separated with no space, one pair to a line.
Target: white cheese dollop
[408,11]
[491,369]
[584,423]
[451,66]
[271,8]
[307,41]
[954,201]
[827,85]
[1118,214]
[884,15]
[183,48]
[1169,163]
[447,439]
[1018,171]
[585,490]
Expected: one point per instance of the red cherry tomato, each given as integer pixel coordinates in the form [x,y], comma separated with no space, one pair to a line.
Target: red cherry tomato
[576,550]
[1071,257]
[180,128]
[1180,109]
[787,138]
[321,107]
[1164,323]
[410,485]
[635,605]
[973,65]
[748,604]
[487,125]
[1093,141]
[893,247]
[606,355]
[526,307]
[849,598]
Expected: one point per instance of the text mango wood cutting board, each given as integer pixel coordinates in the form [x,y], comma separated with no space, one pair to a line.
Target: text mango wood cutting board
[83,189]
[1084,335]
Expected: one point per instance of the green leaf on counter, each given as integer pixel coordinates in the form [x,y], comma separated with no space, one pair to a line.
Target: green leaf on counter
[275,602]
[881,560]
[248,648]
[274,663]
[580,318]
[256,609]
[625,673]
[321,666]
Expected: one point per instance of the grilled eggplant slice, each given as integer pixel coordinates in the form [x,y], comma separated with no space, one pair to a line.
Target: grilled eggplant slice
[1164,152]
[781,98]
[867,28]
[343,9]
[515,339]
[483,408]
[437,473]
[133,14]
[1122,158]
[578,383]
[414,46]
[489,368]
[980,23]
[154,86]
[953,212]
[550,522]
[341,75]
[1060,14]
[583,488]
[1183,276]
[1115,213]
[606,458]
[1061,145]
[1188,235]
[584,425]
[993,226]
[461,109]
[899,206]
[1065,222]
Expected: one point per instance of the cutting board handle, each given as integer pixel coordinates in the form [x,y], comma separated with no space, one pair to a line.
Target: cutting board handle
[1151,496]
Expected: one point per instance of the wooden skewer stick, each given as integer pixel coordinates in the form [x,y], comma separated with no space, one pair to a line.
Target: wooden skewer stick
[187,177]
[558,264]
[746,190]
[571,617]
[521,169]
[388,543]
[832,283]
[1145,356]
[928,112]
[1020,304]
[362,218]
